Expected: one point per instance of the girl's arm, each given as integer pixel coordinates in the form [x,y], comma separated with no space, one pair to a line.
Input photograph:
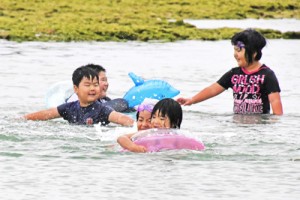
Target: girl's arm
[275,102]
[126,142]
[43,115]
[203,95]
[119,118]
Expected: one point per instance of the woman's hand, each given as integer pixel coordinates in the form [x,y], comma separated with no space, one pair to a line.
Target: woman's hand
[185,101]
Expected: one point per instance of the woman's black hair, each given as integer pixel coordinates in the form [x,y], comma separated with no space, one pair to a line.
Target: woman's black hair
[254,42]
[172,109]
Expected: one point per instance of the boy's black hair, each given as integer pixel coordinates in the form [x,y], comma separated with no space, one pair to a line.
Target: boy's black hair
[172,109]
[97,68]
[254,43]
[81,72]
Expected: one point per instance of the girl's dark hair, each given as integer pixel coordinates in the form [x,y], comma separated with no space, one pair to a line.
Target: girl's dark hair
[81,72]
[172,109]
[254,43]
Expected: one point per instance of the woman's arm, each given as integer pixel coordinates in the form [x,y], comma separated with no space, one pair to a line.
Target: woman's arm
[203,95]
[276,104]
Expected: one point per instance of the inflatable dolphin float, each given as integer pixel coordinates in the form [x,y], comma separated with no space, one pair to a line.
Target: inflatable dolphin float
[153,89]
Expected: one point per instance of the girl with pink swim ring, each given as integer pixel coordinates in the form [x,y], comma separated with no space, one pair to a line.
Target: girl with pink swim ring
[167,114]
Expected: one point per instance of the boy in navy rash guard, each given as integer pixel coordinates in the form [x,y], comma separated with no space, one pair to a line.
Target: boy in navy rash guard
[87,110]
[118,104]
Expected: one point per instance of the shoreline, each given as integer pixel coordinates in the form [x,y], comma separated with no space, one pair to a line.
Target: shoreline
[282,25]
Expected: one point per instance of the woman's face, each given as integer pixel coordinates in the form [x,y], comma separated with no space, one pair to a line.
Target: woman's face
[239,55]
[158,121]
[144,120]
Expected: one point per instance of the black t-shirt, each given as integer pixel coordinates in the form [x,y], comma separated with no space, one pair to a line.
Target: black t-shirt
[250,89]
[94,113]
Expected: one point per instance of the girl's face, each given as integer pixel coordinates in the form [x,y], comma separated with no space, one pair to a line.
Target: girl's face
[87,91]
[239,55]
[158,121]
[103,83]
[144,120]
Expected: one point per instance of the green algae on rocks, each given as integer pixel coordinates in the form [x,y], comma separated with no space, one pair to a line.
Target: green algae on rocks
[140,20]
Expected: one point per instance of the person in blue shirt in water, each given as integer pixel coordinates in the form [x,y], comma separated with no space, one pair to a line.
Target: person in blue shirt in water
[87,109]
[118,104]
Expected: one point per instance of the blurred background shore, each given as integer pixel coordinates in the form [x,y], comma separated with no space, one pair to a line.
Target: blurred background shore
[132,20]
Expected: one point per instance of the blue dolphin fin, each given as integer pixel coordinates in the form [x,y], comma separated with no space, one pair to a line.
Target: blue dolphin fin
[136,79]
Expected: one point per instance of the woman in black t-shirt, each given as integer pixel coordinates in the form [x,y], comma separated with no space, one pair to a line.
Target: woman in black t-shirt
[255,86]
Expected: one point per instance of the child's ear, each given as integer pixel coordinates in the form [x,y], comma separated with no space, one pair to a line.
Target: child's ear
[254,55]
[75,89]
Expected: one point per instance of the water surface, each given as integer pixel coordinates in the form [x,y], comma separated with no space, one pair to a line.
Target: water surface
[246,157]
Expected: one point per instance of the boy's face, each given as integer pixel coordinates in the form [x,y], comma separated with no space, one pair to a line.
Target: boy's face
[103,83]
[88,91]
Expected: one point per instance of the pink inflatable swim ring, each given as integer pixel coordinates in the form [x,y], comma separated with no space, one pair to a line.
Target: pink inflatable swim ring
[166,139]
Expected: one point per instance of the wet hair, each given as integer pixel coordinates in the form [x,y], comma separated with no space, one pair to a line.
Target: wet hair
[97,68]
[172,109]
[82,72]
[254,42]
[137,115]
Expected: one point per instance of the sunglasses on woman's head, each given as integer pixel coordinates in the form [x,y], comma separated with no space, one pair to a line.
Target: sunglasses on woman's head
[143,107]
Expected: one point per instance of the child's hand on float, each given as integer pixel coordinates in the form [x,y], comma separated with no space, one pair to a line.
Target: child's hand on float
[138,149]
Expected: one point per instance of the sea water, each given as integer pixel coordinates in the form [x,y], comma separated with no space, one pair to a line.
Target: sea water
[246,157]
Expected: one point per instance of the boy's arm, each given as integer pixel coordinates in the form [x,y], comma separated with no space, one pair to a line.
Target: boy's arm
[120,118]
[275,102]
[126,143]
[43,115]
